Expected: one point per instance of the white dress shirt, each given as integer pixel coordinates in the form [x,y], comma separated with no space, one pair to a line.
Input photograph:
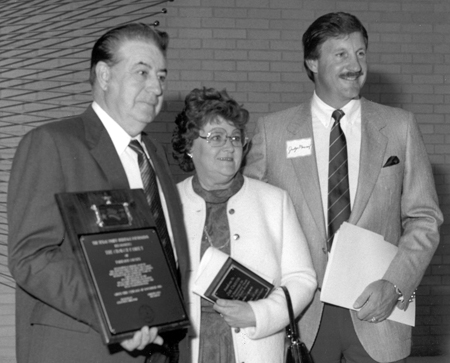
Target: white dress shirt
[351,126]
[129,158]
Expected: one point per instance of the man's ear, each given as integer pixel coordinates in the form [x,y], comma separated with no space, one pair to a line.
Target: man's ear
[103,73]
[312,64]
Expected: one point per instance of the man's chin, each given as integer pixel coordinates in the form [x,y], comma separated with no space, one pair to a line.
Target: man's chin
[147,114]
[353,92]
[147,120]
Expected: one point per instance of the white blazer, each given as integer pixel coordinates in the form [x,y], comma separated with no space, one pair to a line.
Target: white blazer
[266,236]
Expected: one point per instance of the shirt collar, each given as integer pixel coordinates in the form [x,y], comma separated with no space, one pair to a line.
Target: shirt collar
[323,111]
[118,135]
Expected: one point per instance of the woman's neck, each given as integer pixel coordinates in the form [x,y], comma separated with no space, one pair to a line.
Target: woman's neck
[215,186]
[209,185]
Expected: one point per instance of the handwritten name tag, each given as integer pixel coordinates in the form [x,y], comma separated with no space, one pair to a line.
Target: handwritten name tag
[298,148]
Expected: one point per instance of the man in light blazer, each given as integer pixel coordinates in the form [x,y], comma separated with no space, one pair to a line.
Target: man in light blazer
[55,320]
[391,186]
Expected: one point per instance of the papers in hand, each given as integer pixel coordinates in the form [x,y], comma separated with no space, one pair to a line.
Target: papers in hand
[221,277]
[359,257]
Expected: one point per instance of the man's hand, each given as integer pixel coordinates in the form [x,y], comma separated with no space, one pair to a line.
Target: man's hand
[237,314]
[142,338]
[377,301]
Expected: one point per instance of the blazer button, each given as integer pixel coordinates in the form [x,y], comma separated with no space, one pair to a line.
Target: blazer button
[231,211]
[237,330]
[236,237]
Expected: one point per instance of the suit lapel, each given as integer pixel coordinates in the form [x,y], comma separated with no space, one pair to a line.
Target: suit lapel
[103,150]
[172,201]
[373,146]
[165,181]
[306,167]
[159,166]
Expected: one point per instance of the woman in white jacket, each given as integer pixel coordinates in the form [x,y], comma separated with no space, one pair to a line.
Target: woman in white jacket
[252,221]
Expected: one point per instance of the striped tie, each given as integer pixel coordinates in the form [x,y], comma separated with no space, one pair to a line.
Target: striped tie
[151,191]
[338,186]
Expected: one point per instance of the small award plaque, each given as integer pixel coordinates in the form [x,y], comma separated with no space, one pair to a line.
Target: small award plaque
[221,277]
[236,282]
[124,264]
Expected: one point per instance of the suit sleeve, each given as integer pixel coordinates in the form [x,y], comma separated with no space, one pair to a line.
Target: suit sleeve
[420,217]
[40,257]
[255,165]
[297,274]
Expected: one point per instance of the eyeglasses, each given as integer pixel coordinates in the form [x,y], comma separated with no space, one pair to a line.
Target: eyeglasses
[218,137]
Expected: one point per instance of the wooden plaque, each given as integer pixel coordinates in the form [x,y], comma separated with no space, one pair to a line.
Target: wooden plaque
[123,262]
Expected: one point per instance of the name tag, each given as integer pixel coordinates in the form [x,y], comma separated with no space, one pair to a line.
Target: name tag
[298,148]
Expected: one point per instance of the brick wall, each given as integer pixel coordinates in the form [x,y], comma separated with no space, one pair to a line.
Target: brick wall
[253,49]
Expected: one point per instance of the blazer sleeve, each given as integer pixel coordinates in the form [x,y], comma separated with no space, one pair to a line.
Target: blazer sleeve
[40,258]
[255,163]
[297,274]
[420,217]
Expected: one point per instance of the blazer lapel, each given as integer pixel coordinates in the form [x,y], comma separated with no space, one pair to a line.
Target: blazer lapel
[103,150]
[373,146]
[306,167]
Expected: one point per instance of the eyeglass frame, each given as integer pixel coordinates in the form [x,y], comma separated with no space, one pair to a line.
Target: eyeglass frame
[243,142]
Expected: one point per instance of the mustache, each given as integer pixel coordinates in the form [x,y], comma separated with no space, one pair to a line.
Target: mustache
[352,74]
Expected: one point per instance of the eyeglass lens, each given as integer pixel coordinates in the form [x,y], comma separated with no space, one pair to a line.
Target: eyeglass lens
[218,137]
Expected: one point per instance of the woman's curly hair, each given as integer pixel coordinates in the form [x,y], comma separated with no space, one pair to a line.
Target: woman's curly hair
[203,106]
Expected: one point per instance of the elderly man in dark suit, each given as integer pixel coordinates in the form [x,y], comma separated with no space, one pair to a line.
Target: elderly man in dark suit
[378,178]
[55,320]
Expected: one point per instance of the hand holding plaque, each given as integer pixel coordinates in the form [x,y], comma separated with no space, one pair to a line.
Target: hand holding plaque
[123,262]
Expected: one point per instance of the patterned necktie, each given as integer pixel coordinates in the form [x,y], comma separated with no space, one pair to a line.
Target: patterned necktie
[338,186]
[151,191]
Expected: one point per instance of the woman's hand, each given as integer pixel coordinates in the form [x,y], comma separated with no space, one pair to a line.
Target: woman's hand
[142,338]
[237,314]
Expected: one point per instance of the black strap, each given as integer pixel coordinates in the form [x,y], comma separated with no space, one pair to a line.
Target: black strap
[292,324]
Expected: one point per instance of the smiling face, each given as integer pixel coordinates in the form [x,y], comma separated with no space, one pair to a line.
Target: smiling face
[216,166]
[133,88]
[341,70]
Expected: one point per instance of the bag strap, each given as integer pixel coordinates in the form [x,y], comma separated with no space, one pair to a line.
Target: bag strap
[292,324]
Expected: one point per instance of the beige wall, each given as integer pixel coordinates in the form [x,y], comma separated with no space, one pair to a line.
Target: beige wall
[253,49]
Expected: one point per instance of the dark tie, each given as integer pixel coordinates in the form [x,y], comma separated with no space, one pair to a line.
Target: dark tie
[338,186]
[151,191]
